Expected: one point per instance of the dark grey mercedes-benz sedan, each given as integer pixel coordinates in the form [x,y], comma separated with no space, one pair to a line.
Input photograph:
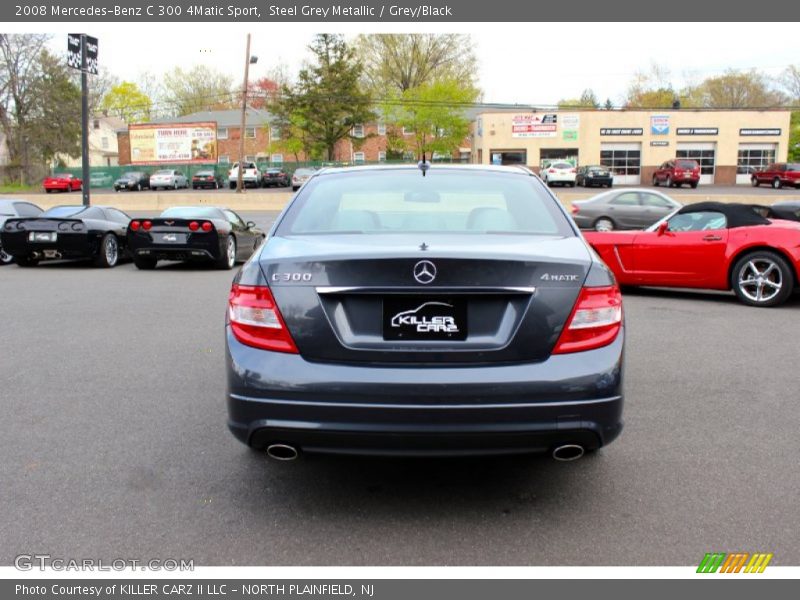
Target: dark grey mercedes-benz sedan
[430,310]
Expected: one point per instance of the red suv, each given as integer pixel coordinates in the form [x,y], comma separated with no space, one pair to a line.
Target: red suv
[778,175]
[676,172]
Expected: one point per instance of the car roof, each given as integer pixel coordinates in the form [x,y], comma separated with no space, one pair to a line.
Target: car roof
[510,169]
[737,215]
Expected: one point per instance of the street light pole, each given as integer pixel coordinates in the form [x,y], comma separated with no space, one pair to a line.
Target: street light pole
[239,180]
[84,124]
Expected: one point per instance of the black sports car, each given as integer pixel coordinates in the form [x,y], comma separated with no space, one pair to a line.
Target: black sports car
[403,310]
[205,179]
[80,232]
[201,233]
[134,180]
[14,208]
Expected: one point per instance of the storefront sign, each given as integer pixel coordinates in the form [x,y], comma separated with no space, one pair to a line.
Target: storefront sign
[659,125]
[660,143]
[173,143]
[526,126]
[569,127]
[697,131]
[621,131]
[759,132]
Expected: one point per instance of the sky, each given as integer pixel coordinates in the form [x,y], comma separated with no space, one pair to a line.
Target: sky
[525,63]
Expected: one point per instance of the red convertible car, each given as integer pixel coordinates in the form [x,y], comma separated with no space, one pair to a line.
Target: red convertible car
[709,245]
[62,182]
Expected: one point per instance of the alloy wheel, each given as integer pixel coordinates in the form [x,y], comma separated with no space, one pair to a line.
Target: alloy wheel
[760,280]
[112,250]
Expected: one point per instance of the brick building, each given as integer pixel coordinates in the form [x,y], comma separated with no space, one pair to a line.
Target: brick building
[262,139]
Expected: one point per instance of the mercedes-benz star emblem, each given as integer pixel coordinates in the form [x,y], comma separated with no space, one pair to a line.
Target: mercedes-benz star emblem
[424,271]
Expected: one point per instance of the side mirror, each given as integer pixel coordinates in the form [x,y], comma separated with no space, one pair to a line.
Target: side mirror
[250,224]
[662,228]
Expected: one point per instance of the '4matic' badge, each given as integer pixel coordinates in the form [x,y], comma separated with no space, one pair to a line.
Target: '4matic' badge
[558,277]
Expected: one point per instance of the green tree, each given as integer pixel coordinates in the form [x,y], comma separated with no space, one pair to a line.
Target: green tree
[39,105]
[739,89]
[588,99]
[400,62]
[608,105]
[327,100]
[200,88]
[794,137]
[127,102]
[790,81]
[434,114]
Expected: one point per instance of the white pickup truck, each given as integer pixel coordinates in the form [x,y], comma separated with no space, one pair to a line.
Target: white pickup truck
[250,176]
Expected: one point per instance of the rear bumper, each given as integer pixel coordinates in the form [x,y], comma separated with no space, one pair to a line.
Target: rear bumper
[174,253]
[66,246]
[383,410]
[599,180]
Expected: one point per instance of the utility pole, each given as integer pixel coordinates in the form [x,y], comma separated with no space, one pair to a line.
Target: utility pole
[84,123]
[247,61]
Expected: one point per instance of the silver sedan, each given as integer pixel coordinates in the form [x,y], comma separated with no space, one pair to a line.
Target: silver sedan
[631,208]
[168,179]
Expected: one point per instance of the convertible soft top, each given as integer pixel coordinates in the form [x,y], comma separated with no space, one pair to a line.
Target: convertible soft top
[737,215]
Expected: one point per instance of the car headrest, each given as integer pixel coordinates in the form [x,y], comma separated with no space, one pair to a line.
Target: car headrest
[485,218]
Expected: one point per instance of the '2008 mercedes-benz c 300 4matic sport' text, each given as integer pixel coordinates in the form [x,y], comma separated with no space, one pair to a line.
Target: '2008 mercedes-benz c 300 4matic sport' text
[425,310]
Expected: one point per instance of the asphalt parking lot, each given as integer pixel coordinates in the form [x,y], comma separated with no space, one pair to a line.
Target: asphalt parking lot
[114,444]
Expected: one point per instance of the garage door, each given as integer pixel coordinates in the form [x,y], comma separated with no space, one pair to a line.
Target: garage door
[753,157]
[624,161]
[704,153]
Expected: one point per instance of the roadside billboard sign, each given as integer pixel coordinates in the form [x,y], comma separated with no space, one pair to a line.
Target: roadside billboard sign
[173,143]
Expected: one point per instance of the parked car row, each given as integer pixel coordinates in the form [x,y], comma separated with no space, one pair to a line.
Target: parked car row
[106,235]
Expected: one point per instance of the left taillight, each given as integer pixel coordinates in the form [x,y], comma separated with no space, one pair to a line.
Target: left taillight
[574,209]
[595,321]
[135,225]
[256,321]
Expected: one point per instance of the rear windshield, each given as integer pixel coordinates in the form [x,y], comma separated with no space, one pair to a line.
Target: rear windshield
[686,164]
[444,201]
[192,212]
[131,176]
[561,165]
[303,171]
[167,172]
[63,211]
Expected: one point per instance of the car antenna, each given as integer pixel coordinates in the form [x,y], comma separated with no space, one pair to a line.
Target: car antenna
[423,165]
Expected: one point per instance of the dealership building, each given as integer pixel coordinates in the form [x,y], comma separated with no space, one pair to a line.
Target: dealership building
[728,144]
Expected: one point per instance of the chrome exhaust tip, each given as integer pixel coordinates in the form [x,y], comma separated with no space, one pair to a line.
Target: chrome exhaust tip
[568,452]
[282,452]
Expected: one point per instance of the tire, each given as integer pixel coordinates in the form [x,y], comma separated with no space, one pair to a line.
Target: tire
[669,182]
[762,278]
[144,264]
[108,252]
[754,182]
[604,224]
[232,185]
[694,184]
[26,261]
[655,181]
[175,186]
[776,184]
[138,187]
[228,259]
[294,189]
[5,258]
[48,191]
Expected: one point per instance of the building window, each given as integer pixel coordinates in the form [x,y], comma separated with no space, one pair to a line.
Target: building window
[222,133]
[358,131]
[381,128]
[249,158]
[96,123]
[104,143]
[622,162]
[754,159]
[277,159]
[274,133]
[407,131]
[224,159]
[358,157]
[382,156]
[250,132]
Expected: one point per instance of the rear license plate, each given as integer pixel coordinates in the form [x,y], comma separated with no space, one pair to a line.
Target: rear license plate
[172,238]
[416,318]
[42,236]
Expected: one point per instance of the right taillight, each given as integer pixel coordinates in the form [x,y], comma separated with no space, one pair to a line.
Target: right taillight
[595,320]
[574,209]
[256,321]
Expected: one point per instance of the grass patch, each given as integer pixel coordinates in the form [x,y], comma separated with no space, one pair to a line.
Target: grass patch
[16,188]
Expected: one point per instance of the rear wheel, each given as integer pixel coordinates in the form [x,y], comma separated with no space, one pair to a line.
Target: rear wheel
[232,185]
[108,253]
[776,184]
[144,264]
[754,181]
[26,261]
[762,279]
[668,182]
[604,224]
[655,181]
[228,258]
[694,184]
[175,186]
